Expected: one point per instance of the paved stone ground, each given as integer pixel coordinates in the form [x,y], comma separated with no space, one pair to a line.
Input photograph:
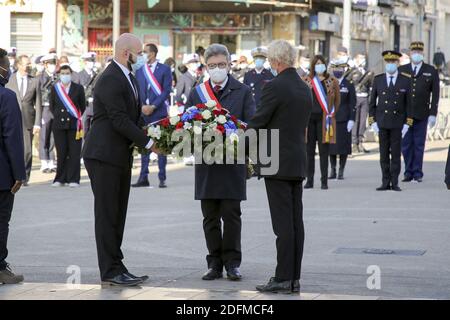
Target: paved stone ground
[52,229]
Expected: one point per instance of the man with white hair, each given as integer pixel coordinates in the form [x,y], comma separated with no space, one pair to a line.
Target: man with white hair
[286,104]
[222,187]
[108,156]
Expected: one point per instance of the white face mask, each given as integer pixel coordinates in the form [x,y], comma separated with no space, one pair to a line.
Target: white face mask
[39,68]
[51,68]
[218,75]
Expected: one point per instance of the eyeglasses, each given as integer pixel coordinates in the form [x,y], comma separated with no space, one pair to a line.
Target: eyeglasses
[221,65]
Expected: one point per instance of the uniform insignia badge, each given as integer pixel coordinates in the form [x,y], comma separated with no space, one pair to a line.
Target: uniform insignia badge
[406,74]
[427,74]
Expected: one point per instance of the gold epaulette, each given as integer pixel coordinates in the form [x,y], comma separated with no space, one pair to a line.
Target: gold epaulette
[409,121]
[371,121]
[406,74]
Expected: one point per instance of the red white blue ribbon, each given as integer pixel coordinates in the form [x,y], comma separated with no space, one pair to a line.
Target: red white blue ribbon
[152,81]
[322,98]
[71,108]
[206,93]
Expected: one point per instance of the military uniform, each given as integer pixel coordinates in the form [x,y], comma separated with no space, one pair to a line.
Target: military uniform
[256,81]
[390,109]
[424,103]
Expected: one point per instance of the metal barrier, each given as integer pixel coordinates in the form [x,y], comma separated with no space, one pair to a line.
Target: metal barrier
[442,128]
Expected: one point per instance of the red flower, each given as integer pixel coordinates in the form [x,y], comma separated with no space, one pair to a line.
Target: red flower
[201,106]
[179,125]
[217,112]
[165,122]
[198,116]
[234,119]
[221,128]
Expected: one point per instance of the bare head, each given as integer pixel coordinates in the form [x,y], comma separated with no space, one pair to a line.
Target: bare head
[127,48]
[281,55]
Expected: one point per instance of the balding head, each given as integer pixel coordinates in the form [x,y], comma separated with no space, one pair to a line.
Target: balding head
[126,48]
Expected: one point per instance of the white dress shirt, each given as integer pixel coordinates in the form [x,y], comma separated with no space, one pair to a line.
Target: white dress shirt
[127,74]
[394,79]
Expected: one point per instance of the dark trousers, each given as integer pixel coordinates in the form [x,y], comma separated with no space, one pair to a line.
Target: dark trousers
[413,148]
[28,150]
[69,153]
[46,140]
[286,210]
[145,161]
[447,168]
[342,161]
[6,206]
[224,247]
[390,155]
[362,111]
[111,187]
[315,135]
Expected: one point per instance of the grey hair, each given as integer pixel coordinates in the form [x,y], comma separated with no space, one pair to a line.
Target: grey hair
[283,52]
[216,49]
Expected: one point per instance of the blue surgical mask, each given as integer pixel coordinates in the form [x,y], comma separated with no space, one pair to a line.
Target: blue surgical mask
[259,63]
[65,78]
[391,68]
[4,79]
[320,68]
[141,60]
[417,58]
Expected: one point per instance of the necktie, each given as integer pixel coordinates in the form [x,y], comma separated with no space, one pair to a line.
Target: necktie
[415,71]
[217,89]
[22,88]
[133,82]
[391,82]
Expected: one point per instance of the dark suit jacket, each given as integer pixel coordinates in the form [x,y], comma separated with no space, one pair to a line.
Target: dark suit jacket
[390,109]
[225,181]
[286,105]
[424,91]
[184,86]
[347,108]
[12,166]
[164,76]
[115,126]
[62,119]
[30,104]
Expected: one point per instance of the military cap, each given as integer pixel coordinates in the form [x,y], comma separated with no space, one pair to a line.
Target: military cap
[89,56]
[259,52]
[49,57]
[417,45]
[391,55]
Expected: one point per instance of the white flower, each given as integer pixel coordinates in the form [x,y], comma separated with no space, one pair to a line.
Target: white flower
[174,120]
[206,114]
[187,126]
[210,103]
[221,119]
[234,137]
[154,132]
[197,130]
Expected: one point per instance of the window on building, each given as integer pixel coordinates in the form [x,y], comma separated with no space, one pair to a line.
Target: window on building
[26,33]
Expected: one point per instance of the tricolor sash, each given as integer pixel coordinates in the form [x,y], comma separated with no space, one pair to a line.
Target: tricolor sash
[322,98]
[152,82]
[206,93]
[70,107]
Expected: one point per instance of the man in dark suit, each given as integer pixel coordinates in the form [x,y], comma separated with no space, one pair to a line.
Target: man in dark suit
[424,104]
[390,117]
[286,105]
[154,100]
[108,158]
[222,187]
[12,166]
[28,94]
[447,170]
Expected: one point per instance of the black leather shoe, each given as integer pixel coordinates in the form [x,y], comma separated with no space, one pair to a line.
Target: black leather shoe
[341,174]
[418,180]
[162,184]
[384,187]
[212,274]
[407,179]
[296,286]
[309,184]
[332,174]
[396,188]
[123,280]
[448,187]
[274,286]
[141,184]
[324,186]
[143,278]
[234,274]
